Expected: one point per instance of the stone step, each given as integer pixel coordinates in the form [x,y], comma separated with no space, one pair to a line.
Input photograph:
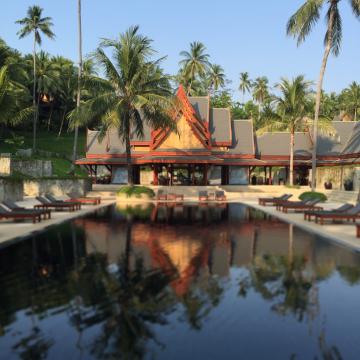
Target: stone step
[342,196]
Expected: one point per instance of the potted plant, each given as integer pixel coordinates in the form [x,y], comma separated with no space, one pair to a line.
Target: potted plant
[348,184]
[328,184]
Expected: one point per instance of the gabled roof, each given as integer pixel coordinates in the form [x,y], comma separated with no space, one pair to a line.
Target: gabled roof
[242,140]
[353,144]
[278,144]
[199,127]
[335,143]
[220,126]
[201,105]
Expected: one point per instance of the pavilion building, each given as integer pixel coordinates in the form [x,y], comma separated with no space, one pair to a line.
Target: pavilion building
[209,148]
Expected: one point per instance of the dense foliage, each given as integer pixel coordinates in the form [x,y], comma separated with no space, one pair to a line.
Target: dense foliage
[136,191]
[312,195]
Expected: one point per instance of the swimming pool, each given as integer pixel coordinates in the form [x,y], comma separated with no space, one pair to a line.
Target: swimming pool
[178,282]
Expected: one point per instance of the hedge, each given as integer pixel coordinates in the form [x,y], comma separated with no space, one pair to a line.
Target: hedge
[136,191]
[312,195]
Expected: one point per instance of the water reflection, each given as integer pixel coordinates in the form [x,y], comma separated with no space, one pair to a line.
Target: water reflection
[140,282]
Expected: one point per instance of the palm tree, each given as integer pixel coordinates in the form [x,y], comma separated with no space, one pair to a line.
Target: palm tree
[350,99]
[291,108]
[195,63]
[13,98]
[216,77]
[245,84]
[136,90]
[260,92]
[78,95]
[66,88]
[299,26]
[35,24]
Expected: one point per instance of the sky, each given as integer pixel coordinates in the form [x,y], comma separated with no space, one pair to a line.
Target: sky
[239,35]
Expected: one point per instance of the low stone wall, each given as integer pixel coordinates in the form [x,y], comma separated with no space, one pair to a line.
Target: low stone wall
[56,187]
[11,190]
[33,168]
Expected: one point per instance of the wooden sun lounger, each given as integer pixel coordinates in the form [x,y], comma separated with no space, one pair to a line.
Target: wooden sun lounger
[308,215]
[311,205]
[175,197]
[352,214]
[96,200]
[46,213]
[274,200]
[53,199]
[203,196]
[220,195]
[45,204]
[280,204]
[161,195]
[35,216]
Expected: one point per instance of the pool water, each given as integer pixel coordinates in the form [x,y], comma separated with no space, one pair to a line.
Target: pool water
[178,282]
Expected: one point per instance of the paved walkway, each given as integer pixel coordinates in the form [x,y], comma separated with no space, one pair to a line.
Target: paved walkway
[10,230]
[343,234]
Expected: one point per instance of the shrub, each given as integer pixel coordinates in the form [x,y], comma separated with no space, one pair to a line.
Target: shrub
[312,195]
[136,191]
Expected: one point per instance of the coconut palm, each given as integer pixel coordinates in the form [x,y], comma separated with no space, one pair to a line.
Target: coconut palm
[13,98]
[292,106]
[36,25]
[195,63]
[260,93]
[245,84]
[136,91]
[350,100]
[216,77]
[300,25]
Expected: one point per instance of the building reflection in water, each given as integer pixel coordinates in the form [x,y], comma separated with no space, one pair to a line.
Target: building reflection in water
[127,269]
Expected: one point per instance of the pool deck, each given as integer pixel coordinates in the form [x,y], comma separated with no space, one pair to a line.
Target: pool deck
[13,231]
[343,234]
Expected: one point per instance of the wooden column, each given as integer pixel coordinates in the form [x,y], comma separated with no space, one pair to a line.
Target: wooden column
[155,175]
[206,166]
[171,174]
[270,175]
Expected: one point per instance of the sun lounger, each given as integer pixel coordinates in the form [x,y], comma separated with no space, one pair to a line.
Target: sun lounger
[311,213]
[12,206]
[309,205]
[352,214]
[96,200]
[35,216]
[281,203]
[220,195]
[175,197]
[46,204]
[274,200]
[203,196]
[161,195]
[55,200]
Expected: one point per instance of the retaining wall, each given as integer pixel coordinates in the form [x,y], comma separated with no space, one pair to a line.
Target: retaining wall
[11,190]
[56,187]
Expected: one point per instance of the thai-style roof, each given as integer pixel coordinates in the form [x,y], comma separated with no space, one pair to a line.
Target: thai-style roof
[333,143]
[220,126]
[201,105]
[242,138]
[278,144]
[208,135]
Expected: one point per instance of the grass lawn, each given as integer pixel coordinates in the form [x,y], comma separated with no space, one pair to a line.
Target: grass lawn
[47,141]
[51,142]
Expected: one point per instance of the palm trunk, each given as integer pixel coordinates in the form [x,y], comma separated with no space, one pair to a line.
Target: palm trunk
[62,122]
[128,155]
[34,97]
[50,116]
[318,99]
[292,142]
[355,117]
[78,96]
